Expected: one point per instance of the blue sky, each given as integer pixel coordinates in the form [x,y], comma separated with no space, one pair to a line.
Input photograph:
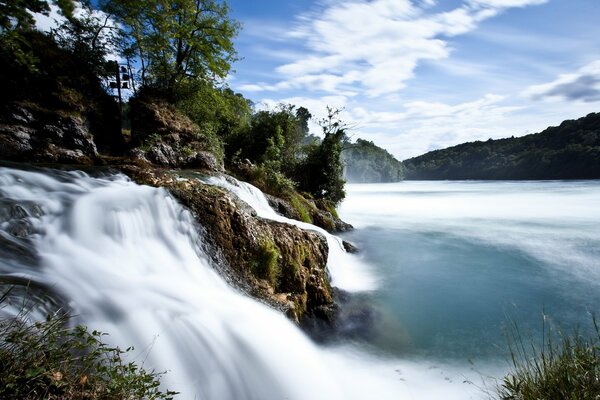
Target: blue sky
[417,75]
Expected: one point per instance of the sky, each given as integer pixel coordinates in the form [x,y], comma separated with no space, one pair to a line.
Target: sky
[418,75]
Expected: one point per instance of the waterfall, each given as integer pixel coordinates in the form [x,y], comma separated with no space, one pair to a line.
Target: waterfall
[347,271]
[128,261]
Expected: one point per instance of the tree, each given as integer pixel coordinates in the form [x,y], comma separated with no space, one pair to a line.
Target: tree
[18,14]
[321,173]
[16,17]
[92,36]
[177,40]
[303,116]
[281,129]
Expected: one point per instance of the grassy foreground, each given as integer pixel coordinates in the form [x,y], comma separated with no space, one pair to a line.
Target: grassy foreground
[564,367]
[52,360]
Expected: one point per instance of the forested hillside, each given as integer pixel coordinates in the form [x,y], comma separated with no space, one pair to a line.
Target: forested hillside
[568,151]
[367,163]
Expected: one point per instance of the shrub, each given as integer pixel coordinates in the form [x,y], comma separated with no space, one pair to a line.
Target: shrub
[50,360]
[566,368]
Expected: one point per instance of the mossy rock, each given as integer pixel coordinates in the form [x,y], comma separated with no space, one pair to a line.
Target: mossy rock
[276,262]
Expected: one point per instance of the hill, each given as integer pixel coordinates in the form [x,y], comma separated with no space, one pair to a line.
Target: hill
[568,151]
[367,163]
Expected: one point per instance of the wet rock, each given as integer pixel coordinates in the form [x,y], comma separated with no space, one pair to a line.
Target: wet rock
[278,263]
[317,212]
[164,136]
[349,247]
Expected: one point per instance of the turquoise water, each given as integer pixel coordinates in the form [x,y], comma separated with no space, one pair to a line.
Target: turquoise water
[459,262]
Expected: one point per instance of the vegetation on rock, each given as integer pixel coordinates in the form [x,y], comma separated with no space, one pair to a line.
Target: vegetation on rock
[61,108]
[277,262]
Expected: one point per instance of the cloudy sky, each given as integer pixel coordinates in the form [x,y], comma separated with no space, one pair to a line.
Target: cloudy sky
[417,75]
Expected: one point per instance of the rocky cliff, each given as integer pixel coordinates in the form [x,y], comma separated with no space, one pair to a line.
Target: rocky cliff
[278,263]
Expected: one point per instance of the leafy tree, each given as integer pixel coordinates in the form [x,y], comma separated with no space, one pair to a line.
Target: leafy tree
[272,136]
[16,17]
[218,109]
[91,37]
[177,40]
[303,116]
[17,14]
[321,173]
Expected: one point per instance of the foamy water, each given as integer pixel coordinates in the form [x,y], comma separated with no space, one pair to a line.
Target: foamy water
[129,261]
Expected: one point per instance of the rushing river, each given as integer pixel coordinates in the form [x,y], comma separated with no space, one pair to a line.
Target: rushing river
[442,266]
[461,263]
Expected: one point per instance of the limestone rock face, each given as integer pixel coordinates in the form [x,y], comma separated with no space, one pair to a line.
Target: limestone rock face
[275,262]
[164,136]
[33,135]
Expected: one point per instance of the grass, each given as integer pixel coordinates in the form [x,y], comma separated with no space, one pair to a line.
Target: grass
[301,207]
[563,367]
[51,360]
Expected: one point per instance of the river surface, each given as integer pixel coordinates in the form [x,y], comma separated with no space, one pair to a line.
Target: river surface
[459,264]
[443,269]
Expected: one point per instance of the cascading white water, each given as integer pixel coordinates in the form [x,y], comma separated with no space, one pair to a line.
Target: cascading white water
[347,271]
[128,259]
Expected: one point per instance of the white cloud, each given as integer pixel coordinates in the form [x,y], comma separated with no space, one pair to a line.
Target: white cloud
[416,125]
[51,21]
[412,130]
[375,46]
[582,85]
[506,3]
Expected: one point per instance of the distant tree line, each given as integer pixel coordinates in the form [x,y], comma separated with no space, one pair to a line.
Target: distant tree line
[568,151]
[367,163]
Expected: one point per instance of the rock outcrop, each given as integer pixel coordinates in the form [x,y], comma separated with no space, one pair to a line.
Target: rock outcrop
[28,133]
[276,262]
[162,135]
[292,204]
[316,212]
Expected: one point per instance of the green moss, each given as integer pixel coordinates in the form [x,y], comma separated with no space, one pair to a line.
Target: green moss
[327,205]
[265,262]
[302,207]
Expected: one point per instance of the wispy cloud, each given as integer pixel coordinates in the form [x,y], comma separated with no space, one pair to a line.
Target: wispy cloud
[426,126]
[582,85]
[506,3]
[375,46]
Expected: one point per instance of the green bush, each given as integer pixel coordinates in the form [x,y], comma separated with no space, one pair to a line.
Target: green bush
[563,367]
[51,360]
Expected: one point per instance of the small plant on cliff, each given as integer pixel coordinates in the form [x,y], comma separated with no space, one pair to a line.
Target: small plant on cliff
[50,360]
[568,368]
[265,264]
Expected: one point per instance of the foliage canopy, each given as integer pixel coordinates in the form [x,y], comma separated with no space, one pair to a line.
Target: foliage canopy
[176,40]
